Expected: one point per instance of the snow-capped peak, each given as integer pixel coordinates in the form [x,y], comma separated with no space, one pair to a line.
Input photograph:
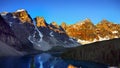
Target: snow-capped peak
[4,13]
[20,10]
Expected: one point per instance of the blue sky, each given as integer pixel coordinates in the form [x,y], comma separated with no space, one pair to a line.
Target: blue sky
[69,11]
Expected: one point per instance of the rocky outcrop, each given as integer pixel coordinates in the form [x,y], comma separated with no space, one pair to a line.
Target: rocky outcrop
[108,29]
[64,25]
[23,16]
[107,52]
[40,22]
[54,25]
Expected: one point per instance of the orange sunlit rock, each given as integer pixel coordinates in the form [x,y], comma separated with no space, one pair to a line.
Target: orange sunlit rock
[40,22]
[23,16]
[86,30]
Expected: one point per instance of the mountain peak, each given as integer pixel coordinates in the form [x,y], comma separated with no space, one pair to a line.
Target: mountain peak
[64,25]
[105,21]
[3,13]
[55,24]
[87,23]
[23,15]
[20,10]
[40,22]
[87,20]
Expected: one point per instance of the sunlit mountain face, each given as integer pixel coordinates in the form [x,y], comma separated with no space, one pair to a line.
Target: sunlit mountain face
[86,32]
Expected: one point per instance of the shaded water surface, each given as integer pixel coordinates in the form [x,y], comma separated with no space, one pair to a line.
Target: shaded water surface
[45,60]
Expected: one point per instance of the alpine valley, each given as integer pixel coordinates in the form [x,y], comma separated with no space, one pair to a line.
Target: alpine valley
[21,35]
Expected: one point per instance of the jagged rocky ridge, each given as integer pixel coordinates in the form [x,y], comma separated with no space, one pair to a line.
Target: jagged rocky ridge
[36,33]
[86,32]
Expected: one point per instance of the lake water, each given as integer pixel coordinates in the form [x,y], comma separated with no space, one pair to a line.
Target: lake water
[45,60]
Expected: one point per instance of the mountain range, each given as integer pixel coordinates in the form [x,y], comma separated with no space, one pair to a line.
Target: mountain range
[86,32]
[19,31]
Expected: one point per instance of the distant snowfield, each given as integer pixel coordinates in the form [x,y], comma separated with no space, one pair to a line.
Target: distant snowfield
[83,42]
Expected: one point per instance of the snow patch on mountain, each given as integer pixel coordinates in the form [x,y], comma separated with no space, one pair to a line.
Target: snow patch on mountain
[83,42]
[102,39]
[34,34]
[40,34]
[14,17]
[116,37]
[114,32]
[44,46]
[71,39]
[10,23]
[20,10]
[51,34]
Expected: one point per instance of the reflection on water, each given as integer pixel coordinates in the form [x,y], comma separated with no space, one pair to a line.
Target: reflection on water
[45,60]
[48,61]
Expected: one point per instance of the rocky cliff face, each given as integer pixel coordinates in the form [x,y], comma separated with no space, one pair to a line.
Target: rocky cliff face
[54,25]
[51,35]
[7,36]
[36,33]
[21,24]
